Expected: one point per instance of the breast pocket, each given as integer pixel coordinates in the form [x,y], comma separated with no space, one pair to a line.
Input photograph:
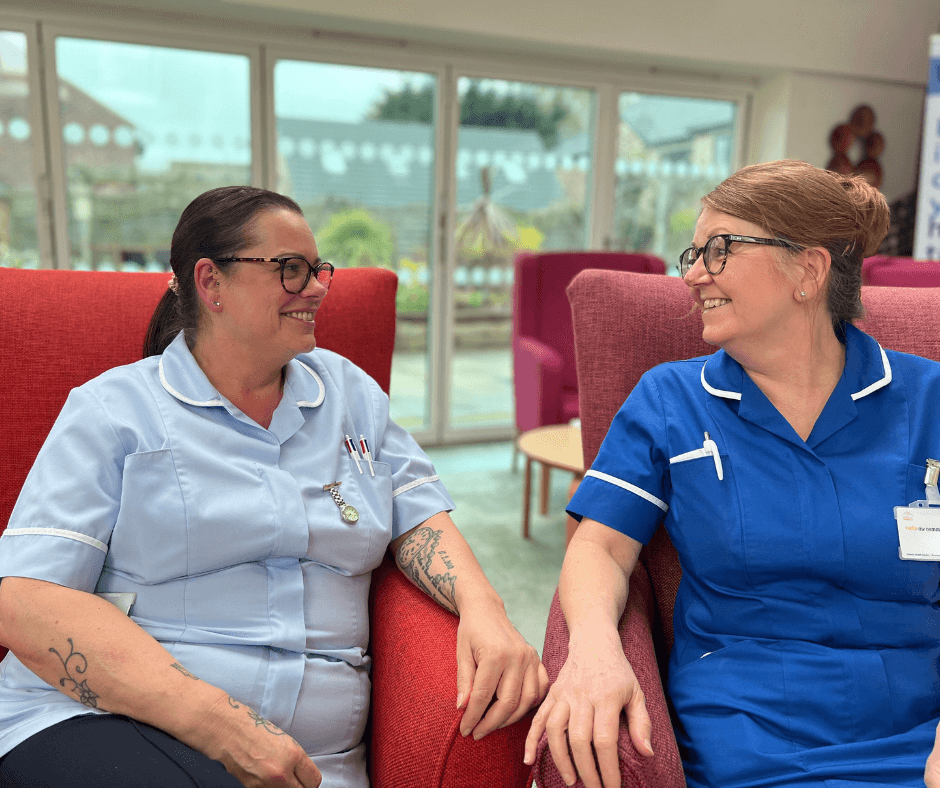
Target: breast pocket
[358,546]
[705,514]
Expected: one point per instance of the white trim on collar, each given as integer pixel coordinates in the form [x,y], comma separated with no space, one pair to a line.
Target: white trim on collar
[718,392]
[319,400]
[877,384]
[206,404]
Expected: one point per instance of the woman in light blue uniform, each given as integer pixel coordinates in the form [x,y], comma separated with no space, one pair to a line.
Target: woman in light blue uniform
[213,481]
[806,650]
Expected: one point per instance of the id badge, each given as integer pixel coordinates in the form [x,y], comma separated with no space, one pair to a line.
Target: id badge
[918,531]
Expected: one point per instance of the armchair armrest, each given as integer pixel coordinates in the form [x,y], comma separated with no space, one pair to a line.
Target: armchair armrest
[416,739]
[537,371]
[664,769]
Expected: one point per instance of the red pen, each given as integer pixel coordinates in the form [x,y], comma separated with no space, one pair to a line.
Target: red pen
[350,447]
[366,453]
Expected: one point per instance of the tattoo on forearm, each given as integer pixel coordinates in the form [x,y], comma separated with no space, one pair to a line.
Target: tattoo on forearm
[185,672]
[429,569]
[260,721]
[79,664]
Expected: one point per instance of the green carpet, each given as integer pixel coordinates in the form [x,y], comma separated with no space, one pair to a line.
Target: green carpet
[488,495]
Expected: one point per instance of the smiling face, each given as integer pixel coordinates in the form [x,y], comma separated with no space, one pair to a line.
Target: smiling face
[257,313]
[751,303]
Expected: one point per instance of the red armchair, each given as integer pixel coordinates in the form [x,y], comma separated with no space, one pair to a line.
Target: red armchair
[61,328]
[900,272]
[625,324]
[544,373]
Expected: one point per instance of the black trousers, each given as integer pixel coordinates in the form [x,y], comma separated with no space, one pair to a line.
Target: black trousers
[109,751]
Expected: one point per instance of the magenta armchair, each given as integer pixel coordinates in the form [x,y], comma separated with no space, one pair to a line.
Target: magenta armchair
[545,377]
[900,272]
[625,324]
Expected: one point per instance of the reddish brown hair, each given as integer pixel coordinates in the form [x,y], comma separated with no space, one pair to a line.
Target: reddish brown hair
[798,202]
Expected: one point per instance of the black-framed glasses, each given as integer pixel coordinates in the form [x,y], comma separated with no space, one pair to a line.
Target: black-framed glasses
[295,271]
[717,247]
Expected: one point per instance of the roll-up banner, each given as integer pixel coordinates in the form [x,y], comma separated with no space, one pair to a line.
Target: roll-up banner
[927,224]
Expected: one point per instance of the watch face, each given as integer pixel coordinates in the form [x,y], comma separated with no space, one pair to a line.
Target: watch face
[349,513]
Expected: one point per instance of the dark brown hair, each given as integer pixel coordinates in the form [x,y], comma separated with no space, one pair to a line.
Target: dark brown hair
[798,202]
[217,224]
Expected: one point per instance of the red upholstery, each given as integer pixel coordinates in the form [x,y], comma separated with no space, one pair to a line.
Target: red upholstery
[545,377]
[900,272]
[61,328]
[624,324]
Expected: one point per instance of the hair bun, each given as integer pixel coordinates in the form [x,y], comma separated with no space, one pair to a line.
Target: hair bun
[873,217]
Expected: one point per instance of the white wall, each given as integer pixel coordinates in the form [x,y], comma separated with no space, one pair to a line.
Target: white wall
[885,40]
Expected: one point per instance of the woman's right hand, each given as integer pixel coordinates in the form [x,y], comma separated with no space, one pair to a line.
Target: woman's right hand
[254,750]
[583,708]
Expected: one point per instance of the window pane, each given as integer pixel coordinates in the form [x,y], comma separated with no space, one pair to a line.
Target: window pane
[356,150]
[145,130]
[524,164]
[672,151]
[19,244]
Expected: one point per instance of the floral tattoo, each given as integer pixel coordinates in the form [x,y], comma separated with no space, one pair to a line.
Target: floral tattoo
[86,696]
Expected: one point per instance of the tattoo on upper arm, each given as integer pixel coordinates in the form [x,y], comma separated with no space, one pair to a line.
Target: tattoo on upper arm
[79,664]
[185,672]
[429,569]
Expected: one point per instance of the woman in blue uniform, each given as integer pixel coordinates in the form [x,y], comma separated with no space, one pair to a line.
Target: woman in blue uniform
[215,481]
[806,649]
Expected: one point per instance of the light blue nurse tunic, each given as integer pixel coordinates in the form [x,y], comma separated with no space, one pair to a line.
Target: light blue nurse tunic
[152,482]
[806,651]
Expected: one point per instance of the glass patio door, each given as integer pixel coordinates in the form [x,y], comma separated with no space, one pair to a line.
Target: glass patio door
[356,149]
[523,171]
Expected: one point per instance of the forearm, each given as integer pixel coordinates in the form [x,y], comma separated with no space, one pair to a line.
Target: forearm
[437,559]
[86,648]
[594,582]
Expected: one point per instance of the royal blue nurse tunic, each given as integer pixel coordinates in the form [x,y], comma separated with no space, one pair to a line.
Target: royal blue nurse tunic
[806,651]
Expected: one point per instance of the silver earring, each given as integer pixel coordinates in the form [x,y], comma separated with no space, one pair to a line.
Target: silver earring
[801,293]
[215,303]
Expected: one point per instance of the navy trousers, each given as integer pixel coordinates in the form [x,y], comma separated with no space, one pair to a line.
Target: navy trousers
[109,751]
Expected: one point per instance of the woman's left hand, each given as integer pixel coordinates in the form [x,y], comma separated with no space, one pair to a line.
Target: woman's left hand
[932,771]
[500,677]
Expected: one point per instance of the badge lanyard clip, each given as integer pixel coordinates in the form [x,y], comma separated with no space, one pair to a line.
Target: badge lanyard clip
[930,482]
[919,522]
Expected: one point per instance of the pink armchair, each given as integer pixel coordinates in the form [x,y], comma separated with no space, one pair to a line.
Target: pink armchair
[544,373]
[900,272]
[624,324]
[61,328]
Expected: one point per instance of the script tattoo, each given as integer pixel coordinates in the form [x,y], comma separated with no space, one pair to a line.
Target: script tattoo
[79,664]
[429,569]
[260,721]
[185,672]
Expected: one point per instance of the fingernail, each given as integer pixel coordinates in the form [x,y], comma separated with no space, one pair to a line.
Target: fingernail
[649,745]
[459,699]
[569,780]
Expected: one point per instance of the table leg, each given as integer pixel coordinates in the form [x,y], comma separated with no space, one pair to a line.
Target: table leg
[526,504]
[546,487]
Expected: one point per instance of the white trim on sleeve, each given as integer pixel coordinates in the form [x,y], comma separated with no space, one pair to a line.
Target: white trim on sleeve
[416,483]
[629,487]
[78,537]
[879,383]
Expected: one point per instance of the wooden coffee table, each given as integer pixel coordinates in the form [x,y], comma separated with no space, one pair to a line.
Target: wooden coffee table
[555,446]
